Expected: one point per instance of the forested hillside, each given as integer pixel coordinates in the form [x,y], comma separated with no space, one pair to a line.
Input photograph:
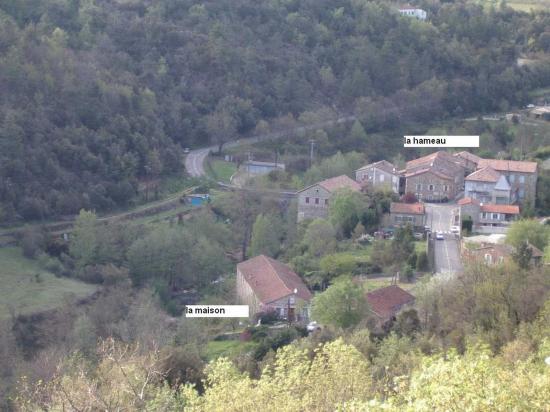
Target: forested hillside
[98,94]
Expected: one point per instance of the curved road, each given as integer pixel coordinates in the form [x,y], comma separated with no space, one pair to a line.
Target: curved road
[194,161]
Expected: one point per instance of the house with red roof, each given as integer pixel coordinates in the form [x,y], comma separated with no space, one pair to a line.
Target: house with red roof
[267,285]
[313,201]
[386,303]
[402,214]
[488,218]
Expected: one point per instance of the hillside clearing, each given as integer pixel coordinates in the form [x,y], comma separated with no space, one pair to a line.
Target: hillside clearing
[28,288]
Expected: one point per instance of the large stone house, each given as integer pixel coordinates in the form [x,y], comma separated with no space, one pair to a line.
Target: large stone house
[435,177]
[488,186]
[522,177]
[382,174]
[313,201]
[402,214]
[267,285]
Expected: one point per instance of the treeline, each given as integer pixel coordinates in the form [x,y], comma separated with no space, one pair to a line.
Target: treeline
[101,95]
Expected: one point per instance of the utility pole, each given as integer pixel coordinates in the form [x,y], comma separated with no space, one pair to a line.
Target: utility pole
[311,144]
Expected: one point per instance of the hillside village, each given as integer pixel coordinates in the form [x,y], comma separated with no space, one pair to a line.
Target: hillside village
[228,206]
[488,196]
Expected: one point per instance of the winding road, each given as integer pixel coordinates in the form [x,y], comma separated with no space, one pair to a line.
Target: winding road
[194,161]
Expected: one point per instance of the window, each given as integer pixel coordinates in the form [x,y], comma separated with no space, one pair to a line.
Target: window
[522,179]
[431,188]
[307,199]
[512,178]
[419,186]
[521,193]
[495,216]
[316,200]
[445,188]
[326,202]
[381,178]
[488,258]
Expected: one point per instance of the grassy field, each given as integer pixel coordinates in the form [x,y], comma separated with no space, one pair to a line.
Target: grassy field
[27,288]
[217,349]
[220,170]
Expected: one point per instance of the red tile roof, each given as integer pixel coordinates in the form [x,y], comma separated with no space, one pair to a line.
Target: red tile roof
[467,201]
[386,302]
[431,158]
[340,182]
[407,208]
[506,209]
[509,165]
[487,174]
[272,280]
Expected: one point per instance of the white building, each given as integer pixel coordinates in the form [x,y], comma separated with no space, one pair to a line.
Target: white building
[416,13]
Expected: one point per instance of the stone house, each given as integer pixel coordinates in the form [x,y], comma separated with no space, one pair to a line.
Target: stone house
[313,201]
[267,285]
[497,215]
[436,177]
[522,177]
[402,214]
[387,302]
[487,217]
[488,186]
[382,174]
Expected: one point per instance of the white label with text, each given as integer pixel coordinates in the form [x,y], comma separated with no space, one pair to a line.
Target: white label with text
[216,311]
[441,141]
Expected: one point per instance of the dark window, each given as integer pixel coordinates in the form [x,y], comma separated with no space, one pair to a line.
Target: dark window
[316,200]
[307,199]
[326,201]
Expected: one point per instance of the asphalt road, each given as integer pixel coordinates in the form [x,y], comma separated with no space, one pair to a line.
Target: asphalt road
[194,161]
[447,256]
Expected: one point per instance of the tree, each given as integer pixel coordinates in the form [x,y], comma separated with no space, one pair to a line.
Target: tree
[357,133]
[528,230]
[221,126]
[84,238]
[266,239]
[320,238]
[522,255]
[346,209]
[343,304]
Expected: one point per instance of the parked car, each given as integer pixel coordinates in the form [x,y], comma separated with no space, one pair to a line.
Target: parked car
[439,236]
[313,326]
[186,150]
[418,235]
[455,229]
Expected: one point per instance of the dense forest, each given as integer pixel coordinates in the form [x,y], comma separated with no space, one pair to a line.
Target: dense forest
[100,95]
